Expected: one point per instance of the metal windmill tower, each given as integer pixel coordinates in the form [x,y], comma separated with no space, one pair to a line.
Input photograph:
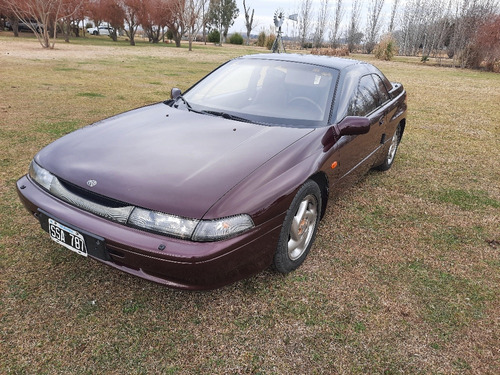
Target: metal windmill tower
[278,45]
[279,17]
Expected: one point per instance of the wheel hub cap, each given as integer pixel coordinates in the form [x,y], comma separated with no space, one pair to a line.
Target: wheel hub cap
[302,227]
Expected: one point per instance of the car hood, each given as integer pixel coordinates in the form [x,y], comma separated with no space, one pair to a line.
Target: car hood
[165,159]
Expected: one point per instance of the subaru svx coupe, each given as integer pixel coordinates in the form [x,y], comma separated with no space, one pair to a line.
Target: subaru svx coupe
[224,180]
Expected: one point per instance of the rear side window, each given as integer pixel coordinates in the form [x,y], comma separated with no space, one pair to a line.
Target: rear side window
[382,90]
[365,99]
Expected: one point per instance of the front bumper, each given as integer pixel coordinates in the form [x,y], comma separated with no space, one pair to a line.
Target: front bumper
[168,261]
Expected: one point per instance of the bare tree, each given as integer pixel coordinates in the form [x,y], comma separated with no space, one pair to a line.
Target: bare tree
[153,19]
[80,18]
[248,20]
[354,36]
[429,28]
[438,28]
[132,11]
[413,24]
[470,15]
[41,16]
[335,25]
[321,23]
[373,23]
[68,24]
[192,19]
[394,10]
[305,21]
[96,10]
[175,20]
[110,11]
[204,18]
[10,16]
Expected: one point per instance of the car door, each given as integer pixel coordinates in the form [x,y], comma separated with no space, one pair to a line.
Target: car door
[389,110]
[384,110]
[357,151]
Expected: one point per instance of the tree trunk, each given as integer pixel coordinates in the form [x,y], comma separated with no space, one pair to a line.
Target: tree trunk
[15,27]
[177,38]
[131,35]
[190,38]
[66,29]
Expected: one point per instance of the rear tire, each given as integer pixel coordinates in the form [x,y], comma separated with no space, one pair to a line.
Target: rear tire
[391,152]
[299,228]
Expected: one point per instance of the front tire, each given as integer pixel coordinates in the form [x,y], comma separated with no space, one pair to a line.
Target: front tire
[393,148]
[299,228]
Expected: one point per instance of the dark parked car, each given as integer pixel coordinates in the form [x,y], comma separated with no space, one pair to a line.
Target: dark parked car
[218,184]
[23,26]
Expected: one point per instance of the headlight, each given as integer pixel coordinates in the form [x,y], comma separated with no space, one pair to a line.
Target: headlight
[196,230]
[162,223]
[40,175]
[214,230]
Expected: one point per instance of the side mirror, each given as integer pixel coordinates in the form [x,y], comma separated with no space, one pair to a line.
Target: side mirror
[175,93]
[350,125]
[353,125]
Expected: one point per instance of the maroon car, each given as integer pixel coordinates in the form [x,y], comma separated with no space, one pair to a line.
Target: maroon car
[223,181]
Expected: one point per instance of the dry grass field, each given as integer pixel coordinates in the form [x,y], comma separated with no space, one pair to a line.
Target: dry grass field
[404,277]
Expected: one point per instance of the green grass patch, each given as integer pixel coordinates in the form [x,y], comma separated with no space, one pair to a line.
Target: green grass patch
[449,301]
[132,306]
[466,200]
[90,95]
[65,69]
[59,128]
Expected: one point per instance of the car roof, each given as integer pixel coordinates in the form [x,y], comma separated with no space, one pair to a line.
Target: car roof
[327,61]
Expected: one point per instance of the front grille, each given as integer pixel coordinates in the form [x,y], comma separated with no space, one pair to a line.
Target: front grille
[88,201]
[91,196]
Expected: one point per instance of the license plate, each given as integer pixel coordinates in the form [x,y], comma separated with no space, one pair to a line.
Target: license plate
[67,237]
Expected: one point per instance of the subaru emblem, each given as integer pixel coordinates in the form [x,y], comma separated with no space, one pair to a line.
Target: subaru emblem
[91,183]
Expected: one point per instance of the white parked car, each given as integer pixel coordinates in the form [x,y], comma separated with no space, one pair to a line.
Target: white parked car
[100,30]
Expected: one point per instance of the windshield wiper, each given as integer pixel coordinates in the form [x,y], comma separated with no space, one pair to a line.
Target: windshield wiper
[185,102]
[227,116]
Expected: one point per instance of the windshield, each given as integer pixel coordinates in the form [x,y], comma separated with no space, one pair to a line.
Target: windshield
[267,91]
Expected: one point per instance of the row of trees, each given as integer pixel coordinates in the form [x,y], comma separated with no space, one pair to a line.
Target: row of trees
[331,25]
[179,17]
[465,30]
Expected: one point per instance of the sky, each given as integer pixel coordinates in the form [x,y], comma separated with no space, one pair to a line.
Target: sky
[264,12]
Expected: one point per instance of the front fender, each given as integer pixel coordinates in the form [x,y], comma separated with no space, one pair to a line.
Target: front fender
[268,191]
